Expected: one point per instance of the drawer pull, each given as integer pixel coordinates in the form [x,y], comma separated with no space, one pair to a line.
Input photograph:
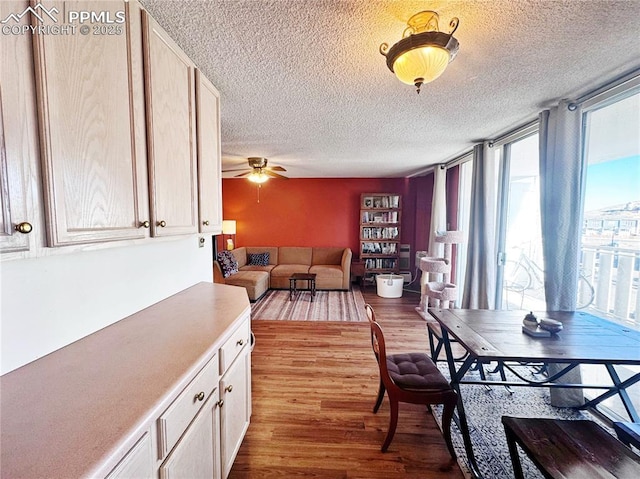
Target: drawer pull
[220,403]
[240,342]
[161,223]
[144,224]
[199,396]
[229,388]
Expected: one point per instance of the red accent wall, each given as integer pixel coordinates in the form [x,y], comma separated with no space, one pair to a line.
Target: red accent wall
[320,211]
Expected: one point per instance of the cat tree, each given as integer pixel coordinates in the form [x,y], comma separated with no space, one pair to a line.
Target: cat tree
[436,289]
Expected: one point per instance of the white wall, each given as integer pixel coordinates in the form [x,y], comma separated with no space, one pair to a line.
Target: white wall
[49,302]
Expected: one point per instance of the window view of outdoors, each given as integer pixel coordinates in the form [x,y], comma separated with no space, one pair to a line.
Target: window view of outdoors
[523,281]
[611,227]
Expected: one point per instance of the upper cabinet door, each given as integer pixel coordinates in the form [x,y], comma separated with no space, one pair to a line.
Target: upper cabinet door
[171,133]
[92,136]
[209,155]
[18,137]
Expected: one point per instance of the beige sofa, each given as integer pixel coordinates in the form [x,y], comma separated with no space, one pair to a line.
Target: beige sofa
[332,266]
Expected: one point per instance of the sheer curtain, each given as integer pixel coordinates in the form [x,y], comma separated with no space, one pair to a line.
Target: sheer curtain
[561,180]
[438,211]
[480,279]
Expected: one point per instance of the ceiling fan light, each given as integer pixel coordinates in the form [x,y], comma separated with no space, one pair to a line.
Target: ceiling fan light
[257,177]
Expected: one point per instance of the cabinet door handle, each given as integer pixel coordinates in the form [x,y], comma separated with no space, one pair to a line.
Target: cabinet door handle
[229,388]
[199,396]
[205,222]
[240,342]
[161,223]
[220,403]
[24,227]
[144,224]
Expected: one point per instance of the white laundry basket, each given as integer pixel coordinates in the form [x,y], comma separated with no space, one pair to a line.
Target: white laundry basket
[389,285]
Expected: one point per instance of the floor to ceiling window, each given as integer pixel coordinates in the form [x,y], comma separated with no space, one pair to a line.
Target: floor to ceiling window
[611,227]
[464,213]
[610,251]
[520,275]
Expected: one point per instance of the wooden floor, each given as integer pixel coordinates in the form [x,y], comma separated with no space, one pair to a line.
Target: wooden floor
[314,387]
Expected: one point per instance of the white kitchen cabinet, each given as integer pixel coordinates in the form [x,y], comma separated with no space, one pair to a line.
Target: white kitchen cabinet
[196,455]
[173,422]
[171,133]
[85,156]
[149,402]
[197,448]
[18,139]
[90,103]
[209,155]
[235,394]
[137,464]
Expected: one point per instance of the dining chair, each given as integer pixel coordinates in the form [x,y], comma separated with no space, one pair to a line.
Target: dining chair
[410,378]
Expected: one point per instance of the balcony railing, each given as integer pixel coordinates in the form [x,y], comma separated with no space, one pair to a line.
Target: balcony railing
[614,274]
[608,284]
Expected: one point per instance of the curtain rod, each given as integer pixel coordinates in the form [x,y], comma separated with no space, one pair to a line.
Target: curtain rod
[622,80]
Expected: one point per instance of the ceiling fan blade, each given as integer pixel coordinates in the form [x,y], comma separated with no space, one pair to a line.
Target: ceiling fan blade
[235,169]
[246,173]
[276,168]
[274,175]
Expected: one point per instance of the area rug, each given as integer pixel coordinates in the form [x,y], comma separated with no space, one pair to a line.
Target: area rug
[484,408]
[326,306]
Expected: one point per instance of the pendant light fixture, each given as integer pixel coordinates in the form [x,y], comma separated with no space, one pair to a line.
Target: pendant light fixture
[424,52]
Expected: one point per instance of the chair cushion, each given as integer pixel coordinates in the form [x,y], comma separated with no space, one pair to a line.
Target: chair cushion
[415,371]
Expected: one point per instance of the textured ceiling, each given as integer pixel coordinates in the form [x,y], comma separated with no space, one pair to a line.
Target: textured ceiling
[303,83]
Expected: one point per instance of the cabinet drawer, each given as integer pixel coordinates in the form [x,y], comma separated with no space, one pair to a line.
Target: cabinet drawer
[177,417]
[232,347]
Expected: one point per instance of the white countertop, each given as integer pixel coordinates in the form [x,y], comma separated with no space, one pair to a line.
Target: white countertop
[70,413]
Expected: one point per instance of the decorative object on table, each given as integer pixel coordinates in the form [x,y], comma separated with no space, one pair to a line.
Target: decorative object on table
[535,331]
[424,52]
[530,326]
[530,320]
[229,228]
[550,325]
[540,328]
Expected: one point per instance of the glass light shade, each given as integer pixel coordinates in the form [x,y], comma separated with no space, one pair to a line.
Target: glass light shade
[258,177]
[229,227]
[426,63]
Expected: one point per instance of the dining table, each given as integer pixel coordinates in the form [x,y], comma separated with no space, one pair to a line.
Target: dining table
[494,340]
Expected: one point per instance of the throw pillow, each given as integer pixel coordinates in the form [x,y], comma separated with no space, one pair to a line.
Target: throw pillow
[228,263]
[258,259]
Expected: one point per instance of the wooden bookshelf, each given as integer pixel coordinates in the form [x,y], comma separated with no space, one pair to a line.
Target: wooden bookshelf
[380,215]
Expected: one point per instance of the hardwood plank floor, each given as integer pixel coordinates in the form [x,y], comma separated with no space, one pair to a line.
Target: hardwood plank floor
[314,387]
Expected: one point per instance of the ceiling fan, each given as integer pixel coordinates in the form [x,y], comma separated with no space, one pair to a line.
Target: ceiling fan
[258,171]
